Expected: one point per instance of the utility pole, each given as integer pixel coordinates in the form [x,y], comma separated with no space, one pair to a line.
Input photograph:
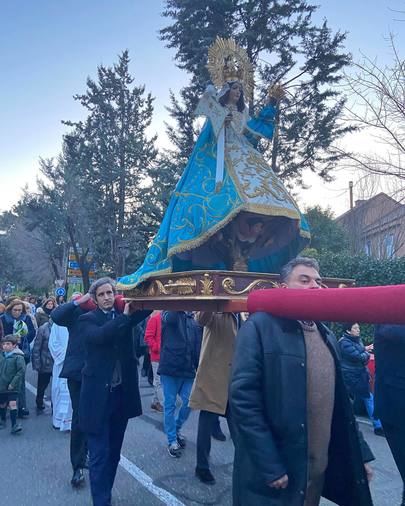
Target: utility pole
[351,194]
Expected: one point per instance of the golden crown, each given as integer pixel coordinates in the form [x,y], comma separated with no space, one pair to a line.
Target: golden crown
[229,62]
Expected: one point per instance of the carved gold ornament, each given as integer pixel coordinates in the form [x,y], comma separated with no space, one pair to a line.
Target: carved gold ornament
[207,285]
[228,62]
[228,284]
[181,286]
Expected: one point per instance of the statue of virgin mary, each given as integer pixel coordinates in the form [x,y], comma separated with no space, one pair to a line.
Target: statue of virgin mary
[228,211]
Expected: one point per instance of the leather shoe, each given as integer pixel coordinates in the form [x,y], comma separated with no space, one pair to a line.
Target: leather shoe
[156,406]
[205,476]
[77,478]
[23,413]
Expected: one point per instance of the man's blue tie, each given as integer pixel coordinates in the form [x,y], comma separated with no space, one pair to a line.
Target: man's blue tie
[111,315]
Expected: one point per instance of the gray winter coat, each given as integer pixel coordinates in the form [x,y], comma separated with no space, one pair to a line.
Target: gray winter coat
[41,358]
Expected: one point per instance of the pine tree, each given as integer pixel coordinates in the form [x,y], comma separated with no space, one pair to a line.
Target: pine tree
[117,155]
[91,197]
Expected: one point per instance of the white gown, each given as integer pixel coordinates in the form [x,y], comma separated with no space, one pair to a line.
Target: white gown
[61,403]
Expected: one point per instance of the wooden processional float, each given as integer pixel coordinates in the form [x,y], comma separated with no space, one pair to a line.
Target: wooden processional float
[219,291]
[229,291]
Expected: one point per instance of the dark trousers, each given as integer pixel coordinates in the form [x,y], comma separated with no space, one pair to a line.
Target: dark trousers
[22,401]
[105,450]
[396,441]
[78,440]
[43,381]
[207,424]
[147,369]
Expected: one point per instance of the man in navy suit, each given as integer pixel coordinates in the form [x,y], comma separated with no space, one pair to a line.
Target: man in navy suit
[110,392]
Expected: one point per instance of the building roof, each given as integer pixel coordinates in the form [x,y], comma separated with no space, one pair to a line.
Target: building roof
[362,205]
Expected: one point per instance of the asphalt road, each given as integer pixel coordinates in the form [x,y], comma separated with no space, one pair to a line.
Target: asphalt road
[35,467]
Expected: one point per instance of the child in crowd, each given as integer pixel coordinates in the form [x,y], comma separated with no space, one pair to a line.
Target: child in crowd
[12,370]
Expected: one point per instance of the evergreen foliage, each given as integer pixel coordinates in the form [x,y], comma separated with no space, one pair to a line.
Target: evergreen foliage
[364,270]
[285,46]
[326,234]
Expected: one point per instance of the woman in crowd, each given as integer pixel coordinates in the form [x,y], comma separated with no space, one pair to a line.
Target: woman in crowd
[16,321]
[355,357]
[42,313]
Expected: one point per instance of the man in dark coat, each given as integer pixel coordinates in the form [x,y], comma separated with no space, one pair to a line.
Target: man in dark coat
[295,433]
[389,352]
[110,393]
[67,315]
[179,354]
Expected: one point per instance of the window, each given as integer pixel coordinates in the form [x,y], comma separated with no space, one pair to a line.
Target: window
[367,248]
[389,249]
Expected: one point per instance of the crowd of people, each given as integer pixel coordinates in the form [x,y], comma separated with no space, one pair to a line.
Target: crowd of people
[285,387]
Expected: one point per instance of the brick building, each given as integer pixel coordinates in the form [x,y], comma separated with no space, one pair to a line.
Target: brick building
[376,227]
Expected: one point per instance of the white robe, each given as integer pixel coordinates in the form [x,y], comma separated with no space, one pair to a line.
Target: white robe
[61,404]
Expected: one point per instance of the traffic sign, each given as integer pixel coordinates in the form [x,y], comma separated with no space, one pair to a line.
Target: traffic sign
[60,292]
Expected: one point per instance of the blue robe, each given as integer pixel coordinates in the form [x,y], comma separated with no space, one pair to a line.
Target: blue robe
[199,209]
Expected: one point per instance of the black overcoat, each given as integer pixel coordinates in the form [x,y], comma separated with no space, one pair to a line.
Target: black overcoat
[389,352]
[268,405]
[107,341]
[67,315]
[180,344]
[354,359]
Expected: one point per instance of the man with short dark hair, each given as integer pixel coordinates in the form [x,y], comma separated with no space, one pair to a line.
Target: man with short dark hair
[109,395]
[295,432]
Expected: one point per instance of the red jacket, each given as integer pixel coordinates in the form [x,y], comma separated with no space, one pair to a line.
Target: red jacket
[153,334]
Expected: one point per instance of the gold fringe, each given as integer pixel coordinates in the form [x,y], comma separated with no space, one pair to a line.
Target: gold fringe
[194,243]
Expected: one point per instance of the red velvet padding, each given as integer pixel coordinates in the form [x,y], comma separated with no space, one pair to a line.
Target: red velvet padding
[371,304]
[89,305]
[119,303]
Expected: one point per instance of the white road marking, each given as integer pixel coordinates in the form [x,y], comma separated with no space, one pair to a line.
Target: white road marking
[144,479]
[364,420]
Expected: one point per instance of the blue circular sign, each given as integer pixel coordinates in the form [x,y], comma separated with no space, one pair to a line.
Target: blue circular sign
[60,292]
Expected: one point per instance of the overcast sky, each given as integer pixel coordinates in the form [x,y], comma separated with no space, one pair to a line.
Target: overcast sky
[49,47]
